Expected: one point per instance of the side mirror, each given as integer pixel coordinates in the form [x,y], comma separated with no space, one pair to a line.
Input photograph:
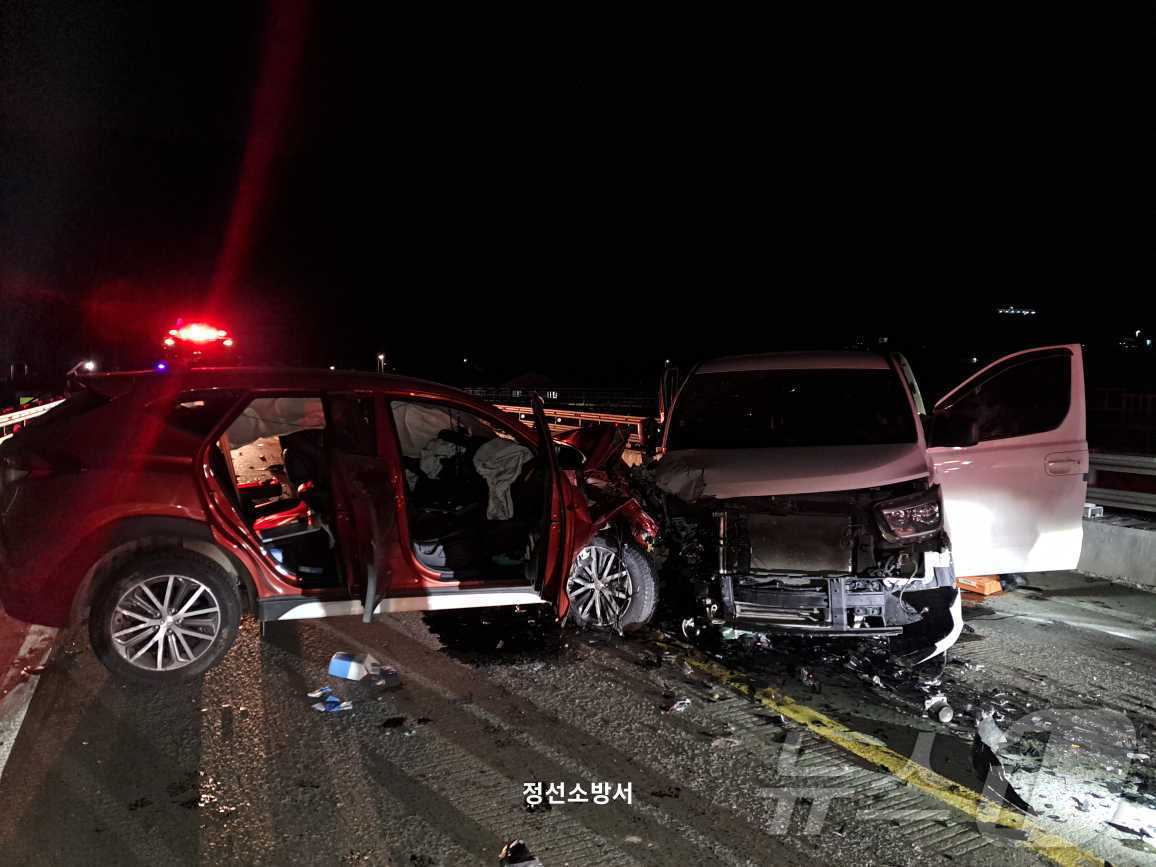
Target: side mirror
[953,431]
[569,458]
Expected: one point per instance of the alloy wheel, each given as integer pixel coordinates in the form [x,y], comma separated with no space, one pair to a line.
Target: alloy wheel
[599,586]
[165,622]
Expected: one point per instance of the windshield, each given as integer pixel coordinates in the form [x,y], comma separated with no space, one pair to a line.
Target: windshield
[750,409]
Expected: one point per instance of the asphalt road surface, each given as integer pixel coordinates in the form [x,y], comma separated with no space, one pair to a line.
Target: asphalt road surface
[781,756]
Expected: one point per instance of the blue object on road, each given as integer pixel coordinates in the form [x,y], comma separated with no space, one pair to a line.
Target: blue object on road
[353,666]
[333,704]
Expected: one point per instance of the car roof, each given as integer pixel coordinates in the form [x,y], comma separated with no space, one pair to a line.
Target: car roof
[270,379]
[796,361]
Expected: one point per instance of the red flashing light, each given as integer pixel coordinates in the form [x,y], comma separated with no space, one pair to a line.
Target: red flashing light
[199,332]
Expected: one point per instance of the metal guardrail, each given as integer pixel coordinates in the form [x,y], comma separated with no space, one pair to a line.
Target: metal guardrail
[560,420]
[1122,481]
[607,400]
[9,421]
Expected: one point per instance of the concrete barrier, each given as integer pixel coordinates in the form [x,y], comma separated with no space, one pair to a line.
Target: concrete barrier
[1120,547]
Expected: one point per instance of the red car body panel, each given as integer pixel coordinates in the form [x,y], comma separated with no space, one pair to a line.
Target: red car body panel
[123,470]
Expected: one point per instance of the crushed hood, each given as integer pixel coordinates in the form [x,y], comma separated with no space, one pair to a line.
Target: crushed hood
[725,473]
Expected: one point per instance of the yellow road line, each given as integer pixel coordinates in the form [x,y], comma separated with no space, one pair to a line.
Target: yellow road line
[965,800]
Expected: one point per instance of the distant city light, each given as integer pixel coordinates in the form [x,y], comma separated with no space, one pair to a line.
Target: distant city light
[333,367]
[1017,311]
[90,366]
[161,366]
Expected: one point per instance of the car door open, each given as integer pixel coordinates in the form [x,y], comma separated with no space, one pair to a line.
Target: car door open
[365,509]
[1009,450]
[556,552]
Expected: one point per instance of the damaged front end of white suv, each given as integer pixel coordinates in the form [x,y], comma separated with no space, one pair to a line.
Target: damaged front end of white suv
[868,563]
[798,496]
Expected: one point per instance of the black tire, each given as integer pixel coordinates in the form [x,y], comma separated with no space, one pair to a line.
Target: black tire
[643,600]
[152,565]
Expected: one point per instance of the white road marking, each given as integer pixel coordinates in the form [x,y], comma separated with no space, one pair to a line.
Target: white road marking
[38,644]
[1130,634]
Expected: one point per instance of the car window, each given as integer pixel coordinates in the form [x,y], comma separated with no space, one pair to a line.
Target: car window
[276,416]
[419,423]
[352,425]
[748,409]
[285,431]
[198,412]
[1028,395]
[439,442]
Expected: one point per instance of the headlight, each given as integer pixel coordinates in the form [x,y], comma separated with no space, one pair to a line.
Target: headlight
[913,517]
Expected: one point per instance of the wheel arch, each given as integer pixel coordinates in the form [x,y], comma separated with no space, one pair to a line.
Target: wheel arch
[104,551]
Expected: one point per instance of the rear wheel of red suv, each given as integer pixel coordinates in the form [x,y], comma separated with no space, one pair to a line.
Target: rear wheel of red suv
[166,616]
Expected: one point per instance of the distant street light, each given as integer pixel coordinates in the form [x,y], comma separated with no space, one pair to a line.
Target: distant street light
[89,366]
[381,362]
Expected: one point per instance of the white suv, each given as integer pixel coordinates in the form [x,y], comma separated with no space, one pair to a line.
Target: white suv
[837,506]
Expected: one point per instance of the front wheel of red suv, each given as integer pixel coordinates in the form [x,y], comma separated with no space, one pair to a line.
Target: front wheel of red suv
[612,586]
[167,616]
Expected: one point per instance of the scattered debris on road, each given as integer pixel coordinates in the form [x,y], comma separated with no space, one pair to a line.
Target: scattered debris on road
[984,585]
[354,666]
[937,707]
[387,678]
[987,766]
[332,704]
[678,706]
[990,733]
[810,680]
[517,854]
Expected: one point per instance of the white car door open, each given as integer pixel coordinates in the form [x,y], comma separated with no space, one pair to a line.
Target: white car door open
[1009,449]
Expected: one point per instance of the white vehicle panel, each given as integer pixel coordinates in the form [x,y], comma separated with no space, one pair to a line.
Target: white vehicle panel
[1016,504]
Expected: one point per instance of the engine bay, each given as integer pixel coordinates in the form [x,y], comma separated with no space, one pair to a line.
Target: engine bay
[828,562]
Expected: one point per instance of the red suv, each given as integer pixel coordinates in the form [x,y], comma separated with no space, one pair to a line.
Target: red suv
[168,504]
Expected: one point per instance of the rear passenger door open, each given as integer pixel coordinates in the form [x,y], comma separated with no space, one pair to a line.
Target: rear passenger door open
[364,508]
[1008,448]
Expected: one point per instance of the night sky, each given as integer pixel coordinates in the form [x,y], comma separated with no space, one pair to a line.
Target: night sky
[575,197]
